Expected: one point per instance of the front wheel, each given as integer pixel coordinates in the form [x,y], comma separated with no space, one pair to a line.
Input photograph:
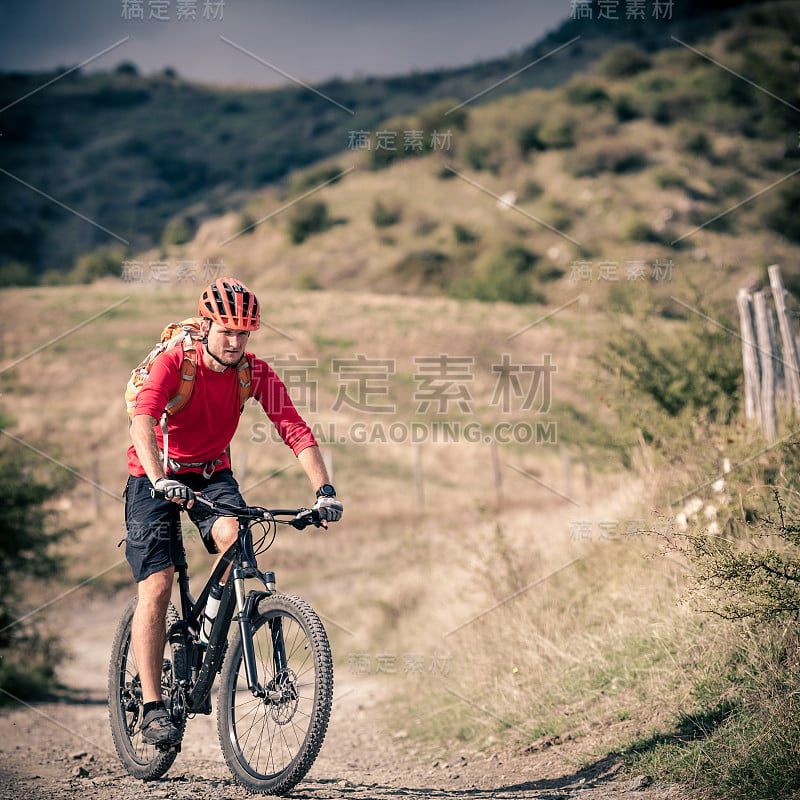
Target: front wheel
[270,743]
[142,760]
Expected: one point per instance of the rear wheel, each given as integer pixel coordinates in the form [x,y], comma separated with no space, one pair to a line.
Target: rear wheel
[270,743]
[142,760]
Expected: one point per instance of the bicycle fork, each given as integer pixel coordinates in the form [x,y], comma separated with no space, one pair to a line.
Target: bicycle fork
[247,605]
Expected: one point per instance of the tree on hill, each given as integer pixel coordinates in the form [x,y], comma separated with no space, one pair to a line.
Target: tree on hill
[28,531]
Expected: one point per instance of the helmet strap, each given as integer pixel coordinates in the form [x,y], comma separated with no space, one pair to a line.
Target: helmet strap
[204,342]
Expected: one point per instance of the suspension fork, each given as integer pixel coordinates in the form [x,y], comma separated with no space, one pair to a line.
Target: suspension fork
[247,606]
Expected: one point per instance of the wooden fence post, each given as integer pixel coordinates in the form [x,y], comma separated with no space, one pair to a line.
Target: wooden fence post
[766,347]
[750,362]
[790,357]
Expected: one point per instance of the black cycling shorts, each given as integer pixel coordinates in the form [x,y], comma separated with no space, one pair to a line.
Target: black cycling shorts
[154,539]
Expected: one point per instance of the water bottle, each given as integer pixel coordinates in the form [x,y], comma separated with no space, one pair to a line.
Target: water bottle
[212,606]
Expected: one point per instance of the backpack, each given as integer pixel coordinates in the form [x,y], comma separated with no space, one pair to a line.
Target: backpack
[185,334]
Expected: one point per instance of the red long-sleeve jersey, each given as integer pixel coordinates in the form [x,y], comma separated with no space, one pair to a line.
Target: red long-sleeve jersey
[203,429]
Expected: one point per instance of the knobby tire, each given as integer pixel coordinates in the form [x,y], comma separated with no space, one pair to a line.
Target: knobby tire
[270,746]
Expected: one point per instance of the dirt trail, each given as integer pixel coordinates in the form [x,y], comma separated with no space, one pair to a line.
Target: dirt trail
[63,749]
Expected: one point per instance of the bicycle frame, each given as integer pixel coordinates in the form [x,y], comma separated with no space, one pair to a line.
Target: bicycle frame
[242,560]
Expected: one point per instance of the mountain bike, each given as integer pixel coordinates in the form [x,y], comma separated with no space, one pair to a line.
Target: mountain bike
[276,672]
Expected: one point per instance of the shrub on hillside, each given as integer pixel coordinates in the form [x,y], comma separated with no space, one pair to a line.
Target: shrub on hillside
[28,530]
[624,61]
[557,131]
[667,178]
[635,229]
[505,276]
[664,385]
[626,107]
[177,231]
[780,214]
[15,273]
[606,155]
[435,129]
[464,235]
[98,264]
[483,154]
[583,92]
[697,143]
[528,139]
[306,219]
[384,217]
[423,270]
[314,178]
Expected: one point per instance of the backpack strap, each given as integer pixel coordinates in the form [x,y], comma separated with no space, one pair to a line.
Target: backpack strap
[181,398]
[245,376]
[188,371]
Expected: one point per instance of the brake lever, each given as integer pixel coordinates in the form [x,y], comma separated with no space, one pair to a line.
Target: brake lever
[308,516]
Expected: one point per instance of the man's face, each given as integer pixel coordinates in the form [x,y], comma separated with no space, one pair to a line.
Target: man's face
[227,345]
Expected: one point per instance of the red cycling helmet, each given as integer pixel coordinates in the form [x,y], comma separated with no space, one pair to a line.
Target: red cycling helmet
[230,304]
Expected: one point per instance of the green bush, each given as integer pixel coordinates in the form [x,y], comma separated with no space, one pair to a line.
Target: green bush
[667,178]
[528,139]
[465,235]
[635,229]
[316,177]
[28,657]
[506,276]
[580,92]
[664,384]
[624,61]
[423,270]
[309,282]
[626,108]
[697,143]
[177,231]
[98,264]
[384,217]
[307,218]
[557,131]
[780,213]
[531,190]
[606,155]
[435,129]
[439,116]
[482,156]
[15,273]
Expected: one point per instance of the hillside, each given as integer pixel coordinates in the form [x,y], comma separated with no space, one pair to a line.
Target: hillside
[518,347]
[148,158]
[642,176]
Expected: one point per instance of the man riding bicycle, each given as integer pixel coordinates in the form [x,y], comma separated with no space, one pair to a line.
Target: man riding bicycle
[198,461]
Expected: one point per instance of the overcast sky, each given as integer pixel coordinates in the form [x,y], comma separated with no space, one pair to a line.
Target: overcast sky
[311,40]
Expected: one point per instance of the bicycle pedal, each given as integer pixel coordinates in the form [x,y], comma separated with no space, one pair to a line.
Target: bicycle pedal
[168,748]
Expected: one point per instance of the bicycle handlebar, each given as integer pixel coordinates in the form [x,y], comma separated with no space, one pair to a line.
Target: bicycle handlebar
[301,517]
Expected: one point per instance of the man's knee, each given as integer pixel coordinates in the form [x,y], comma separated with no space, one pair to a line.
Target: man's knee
[155,590]
[224,532]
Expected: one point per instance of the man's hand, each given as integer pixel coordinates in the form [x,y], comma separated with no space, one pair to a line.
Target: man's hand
[330,509]
[175,491]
